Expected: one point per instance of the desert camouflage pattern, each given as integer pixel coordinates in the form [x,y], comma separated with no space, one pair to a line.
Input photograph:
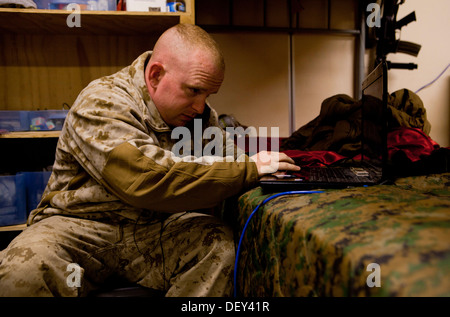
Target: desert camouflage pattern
[114,176]
[187,254]
[114,158]
[322,244]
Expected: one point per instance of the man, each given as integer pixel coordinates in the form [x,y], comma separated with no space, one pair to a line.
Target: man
[118,204]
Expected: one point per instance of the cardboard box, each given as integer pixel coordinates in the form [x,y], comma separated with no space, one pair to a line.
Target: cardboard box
[146,5]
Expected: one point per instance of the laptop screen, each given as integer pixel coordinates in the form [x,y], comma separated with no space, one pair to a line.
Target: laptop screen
[374,123]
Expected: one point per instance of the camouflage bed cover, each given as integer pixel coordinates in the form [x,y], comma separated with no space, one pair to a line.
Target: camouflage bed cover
[385,240]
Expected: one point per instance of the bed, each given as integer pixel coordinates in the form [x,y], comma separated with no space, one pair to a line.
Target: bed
[384,240]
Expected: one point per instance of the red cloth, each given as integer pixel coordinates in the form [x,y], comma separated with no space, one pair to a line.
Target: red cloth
[413,142]
[314,158]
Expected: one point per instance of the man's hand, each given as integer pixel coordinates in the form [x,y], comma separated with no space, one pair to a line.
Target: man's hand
[270,162]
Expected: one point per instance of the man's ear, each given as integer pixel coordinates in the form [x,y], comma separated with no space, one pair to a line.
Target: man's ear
[153,74]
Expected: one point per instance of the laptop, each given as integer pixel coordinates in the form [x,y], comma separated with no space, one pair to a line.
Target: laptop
[370,168]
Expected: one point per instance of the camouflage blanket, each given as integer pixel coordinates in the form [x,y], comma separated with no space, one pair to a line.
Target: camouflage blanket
[386,240]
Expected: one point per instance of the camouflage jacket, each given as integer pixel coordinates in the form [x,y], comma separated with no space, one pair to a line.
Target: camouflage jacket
[338,126]
[114,159]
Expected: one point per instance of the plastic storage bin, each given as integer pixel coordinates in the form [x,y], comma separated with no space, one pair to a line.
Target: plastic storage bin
[90,5]
[42,4]
[19,195]
[12,200]
[13,120]
[35,183]
[46,119]
[32,120]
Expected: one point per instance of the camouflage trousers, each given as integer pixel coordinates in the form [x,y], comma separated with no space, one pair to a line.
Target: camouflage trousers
[187,254]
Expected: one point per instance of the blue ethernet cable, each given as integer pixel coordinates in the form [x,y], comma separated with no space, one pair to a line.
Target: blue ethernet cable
[250,217]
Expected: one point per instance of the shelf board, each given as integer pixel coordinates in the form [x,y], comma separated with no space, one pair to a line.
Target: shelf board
[41,21]
[13,228]
[243,28]
[30,135]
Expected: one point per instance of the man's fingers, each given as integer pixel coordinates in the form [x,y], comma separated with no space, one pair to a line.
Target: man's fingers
[287,164]
[269,162]
[283,166]
[267,156]
[284,158]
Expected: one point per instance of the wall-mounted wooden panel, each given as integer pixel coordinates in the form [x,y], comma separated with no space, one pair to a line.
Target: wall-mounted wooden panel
[255,89]
[45,71]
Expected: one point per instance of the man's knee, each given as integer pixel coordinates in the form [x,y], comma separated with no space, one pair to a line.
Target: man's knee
[218,237]
[205,266]
[32,269]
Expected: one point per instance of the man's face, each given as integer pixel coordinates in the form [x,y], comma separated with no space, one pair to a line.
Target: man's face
[182,88]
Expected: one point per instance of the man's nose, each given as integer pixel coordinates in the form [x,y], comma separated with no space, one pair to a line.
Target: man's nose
[199,105]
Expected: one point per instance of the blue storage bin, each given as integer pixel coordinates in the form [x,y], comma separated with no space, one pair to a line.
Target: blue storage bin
[35,183]
[12,200]
[90,5]
[42,4]
[13,120]
[46,120]
[32,120]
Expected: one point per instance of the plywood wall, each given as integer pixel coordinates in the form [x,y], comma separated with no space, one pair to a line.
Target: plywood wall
[46,71]
[256,89]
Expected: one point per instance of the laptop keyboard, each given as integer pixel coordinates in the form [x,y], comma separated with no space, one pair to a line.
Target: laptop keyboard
[338,174]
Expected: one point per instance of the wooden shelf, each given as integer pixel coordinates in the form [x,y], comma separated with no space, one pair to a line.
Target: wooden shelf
[40,21]
[37,21]
[30,135]
[13,228]
[55,62]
